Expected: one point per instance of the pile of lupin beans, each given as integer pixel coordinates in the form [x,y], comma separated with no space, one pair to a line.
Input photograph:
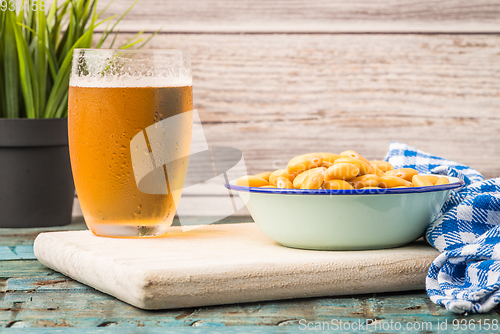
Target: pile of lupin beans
[347,170]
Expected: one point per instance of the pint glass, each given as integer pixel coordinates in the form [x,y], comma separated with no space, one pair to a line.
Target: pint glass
[114,97]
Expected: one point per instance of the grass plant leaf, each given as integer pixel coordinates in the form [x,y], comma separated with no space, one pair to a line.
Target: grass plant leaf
[3,109]
[131,39]
[51,57]
[88,13]
[61,83]
[41,61]
[98,16]
[52,13]
[36,50]
[29,85]
[128,46]
[11,66]
[116,23]
[114,39]
[149,38]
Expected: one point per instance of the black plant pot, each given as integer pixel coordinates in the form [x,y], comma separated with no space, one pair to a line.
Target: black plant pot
[36,184]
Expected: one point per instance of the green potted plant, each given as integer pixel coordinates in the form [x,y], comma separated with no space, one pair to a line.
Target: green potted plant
[36,46]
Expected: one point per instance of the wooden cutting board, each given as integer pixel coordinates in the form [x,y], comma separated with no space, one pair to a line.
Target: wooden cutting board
[222,264]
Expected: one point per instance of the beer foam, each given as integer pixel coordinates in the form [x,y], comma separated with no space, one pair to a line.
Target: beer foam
[130,81]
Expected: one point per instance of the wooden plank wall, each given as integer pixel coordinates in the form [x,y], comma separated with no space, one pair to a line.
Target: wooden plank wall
[281,78]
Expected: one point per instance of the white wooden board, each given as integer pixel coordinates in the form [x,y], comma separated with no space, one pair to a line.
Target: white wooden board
[221,264]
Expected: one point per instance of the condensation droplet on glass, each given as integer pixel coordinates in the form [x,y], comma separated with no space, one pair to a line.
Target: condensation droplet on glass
[138,211]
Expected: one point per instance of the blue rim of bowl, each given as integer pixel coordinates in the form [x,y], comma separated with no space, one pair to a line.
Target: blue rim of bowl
[386,191]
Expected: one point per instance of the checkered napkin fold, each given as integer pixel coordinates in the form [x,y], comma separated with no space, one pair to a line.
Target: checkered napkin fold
[465,277]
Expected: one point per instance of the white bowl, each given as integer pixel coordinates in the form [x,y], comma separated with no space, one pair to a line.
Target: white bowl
[344,219]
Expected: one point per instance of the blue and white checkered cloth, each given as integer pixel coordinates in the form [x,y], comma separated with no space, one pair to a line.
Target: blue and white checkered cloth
[465,277]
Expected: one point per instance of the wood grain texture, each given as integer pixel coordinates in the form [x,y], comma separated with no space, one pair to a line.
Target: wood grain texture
[14,237]
[19,252]
[277,96]
[309,16]
[225,264]
[35,297]
[53,301]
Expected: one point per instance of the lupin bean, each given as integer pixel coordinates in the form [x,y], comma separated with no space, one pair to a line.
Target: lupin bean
[354,155]
[391,181]
[367,180]
[283,182]
[419,181]
[382,165]
[330,157]
[432,178]
[347,170]
[251,181]
[273,178]
[304,162]
[377,171]
[264,175]
[342,171]
[364,167]
[297,182]
[337,184]
[442,180]
[313,181]
[405,173]
[327,164]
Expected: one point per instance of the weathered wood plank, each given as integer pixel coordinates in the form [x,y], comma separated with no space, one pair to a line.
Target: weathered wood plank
[276,96]
[53,283]
[16,253]
[113,328]
[22,268]
[210,328]
[309,15]
[77,309]
[33,296]
[15,237]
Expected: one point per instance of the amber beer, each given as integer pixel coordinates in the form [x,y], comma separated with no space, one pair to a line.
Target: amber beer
[104,113]
[102,122]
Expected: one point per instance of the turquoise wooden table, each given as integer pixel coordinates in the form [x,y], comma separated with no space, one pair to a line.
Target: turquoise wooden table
[33,296]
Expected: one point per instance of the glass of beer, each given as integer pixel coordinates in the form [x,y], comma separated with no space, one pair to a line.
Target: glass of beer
[119,102]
